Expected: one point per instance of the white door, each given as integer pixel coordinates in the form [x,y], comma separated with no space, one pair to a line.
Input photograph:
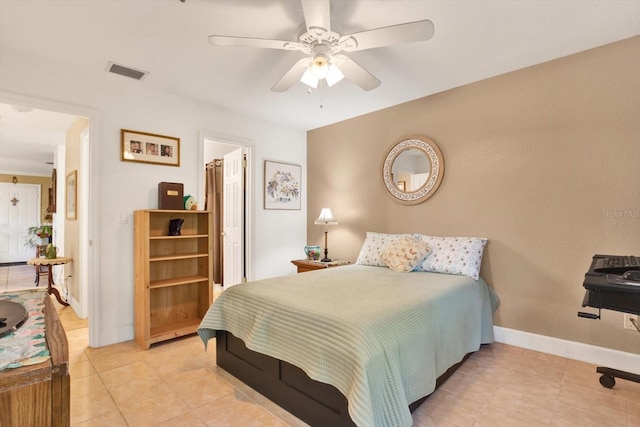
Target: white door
[19,210]
[233,218]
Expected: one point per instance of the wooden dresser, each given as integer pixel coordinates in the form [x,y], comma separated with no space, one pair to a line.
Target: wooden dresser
[38,395]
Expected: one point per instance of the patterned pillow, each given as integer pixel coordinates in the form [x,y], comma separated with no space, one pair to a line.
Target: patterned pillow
[404,254]
[374,246]
[453,255]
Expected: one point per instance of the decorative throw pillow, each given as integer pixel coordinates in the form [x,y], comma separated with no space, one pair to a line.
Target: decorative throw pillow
[405,253]
[374,246]
[453,255]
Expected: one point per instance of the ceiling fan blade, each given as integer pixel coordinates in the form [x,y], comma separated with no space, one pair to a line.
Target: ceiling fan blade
[317,14]
[395,34]
[357,74]
[292,76]
[253,42]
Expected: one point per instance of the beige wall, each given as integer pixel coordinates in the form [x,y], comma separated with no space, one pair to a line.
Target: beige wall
[44,182]
[543,161]
[71,227]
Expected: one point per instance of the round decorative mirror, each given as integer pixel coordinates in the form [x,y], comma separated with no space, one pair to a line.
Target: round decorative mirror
[412,170]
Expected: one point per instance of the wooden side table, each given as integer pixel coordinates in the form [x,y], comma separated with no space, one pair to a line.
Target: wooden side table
[50,262]
[308,265]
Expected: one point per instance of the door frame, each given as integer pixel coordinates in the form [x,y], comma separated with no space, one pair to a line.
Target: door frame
[90,233]
[249,214]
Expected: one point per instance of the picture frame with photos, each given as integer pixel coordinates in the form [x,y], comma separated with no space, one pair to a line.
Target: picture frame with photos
[144,147]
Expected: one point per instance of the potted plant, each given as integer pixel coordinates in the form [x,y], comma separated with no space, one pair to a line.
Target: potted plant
[38,235]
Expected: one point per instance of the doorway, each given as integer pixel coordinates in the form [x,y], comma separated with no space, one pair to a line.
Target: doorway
[86,305]
[232,206]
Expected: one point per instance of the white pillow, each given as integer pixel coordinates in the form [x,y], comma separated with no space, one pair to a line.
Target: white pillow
[405,254]
[453,255]
[374,246]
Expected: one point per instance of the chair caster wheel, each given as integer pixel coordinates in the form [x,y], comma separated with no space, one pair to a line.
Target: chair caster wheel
[607,381]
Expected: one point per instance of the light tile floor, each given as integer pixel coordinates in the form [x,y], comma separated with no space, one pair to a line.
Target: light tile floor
[178,384]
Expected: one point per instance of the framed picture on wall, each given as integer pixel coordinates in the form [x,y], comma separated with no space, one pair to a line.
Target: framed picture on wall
[72,195]
[52,192]
[282,185]
[142,147]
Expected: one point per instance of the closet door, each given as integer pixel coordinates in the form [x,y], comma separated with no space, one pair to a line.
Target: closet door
[233,217]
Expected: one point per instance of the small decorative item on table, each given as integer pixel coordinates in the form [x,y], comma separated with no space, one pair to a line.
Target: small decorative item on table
[313,252]
[190,203]
[174,226]
[170,195]
[51,252]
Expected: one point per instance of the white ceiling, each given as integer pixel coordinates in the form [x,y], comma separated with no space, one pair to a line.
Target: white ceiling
[473,40]
[28,139]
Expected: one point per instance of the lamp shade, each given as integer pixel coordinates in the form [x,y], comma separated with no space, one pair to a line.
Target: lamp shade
[334,75]
[309,79]
[326,217]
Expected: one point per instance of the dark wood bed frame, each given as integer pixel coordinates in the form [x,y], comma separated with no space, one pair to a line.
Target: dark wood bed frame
[316,403]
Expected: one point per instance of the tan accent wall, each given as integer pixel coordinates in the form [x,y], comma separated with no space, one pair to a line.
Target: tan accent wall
[44,182]
[72,227]
[544,161]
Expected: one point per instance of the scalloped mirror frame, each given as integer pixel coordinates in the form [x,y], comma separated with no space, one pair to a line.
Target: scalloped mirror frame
[436,160]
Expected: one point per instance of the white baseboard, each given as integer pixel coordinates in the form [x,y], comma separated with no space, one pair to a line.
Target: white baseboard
[600,356]
[114,336]
[74,304]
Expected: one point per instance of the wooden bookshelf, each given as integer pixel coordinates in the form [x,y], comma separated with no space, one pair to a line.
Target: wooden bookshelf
[173,274]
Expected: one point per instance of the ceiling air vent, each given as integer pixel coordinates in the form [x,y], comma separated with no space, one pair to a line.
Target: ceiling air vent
[126,71]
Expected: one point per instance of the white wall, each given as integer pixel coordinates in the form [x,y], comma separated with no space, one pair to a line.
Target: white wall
[123,103]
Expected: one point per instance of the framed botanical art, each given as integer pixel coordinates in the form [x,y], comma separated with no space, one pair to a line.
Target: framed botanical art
[143,147]
[282,185]
[72,195]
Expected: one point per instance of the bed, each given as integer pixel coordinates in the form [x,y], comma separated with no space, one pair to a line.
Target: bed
[355,345]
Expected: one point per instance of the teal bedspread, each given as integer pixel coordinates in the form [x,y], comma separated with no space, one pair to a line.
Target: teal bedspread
[379,336]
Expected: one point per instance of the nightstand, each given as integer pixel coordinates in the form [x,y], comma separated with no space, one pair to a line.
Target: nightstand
[308,265]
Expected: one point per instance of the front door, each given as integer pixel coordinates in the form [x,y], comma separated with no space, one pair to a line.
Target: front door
[233,217]
[19,210]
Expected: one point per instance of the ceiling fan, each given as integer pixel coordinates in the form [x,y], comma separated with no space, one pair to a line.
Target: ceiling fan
[325,60]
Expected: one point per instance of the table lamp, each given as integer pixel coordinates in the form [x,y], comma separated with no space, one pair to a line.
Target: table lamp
[326,218]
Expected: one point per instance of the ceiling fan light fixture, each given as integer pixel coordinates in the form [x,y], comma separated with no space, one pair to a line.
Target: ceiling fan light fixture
[320,66]
[309,79]
[334,75]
